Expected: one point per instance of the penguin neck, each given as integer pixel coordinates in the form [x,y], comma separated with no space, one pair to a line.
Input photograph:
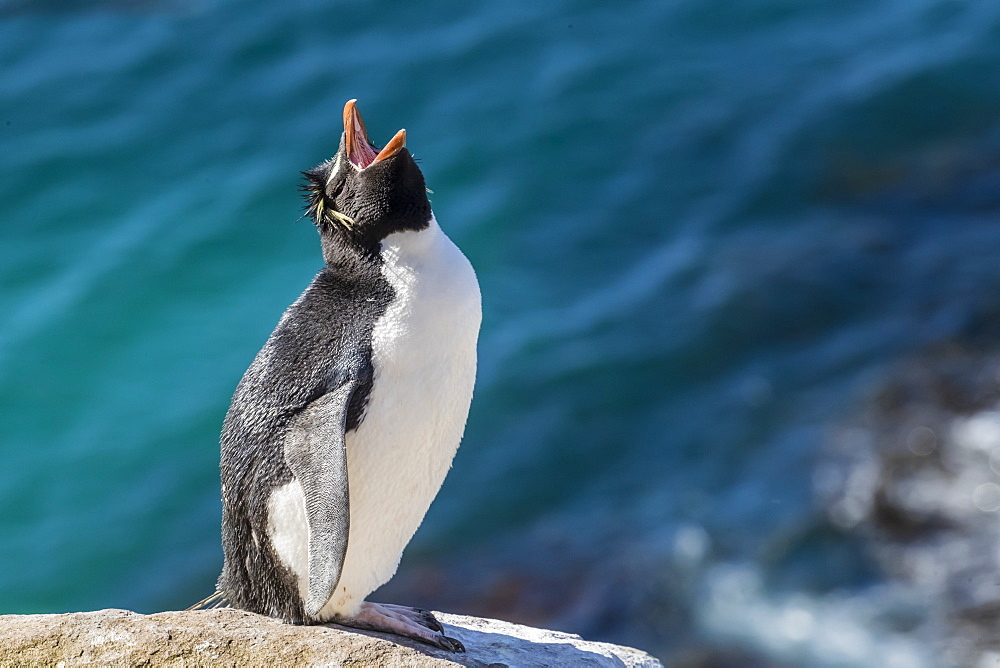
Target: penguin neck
[409,241]
[341,247]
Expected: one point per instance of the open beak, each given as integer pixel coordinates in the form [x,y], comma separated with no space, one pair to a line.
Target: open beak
[360,151]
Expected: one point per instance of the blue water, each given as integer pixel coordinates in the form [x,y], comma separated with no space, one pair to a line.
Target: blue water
[701,230]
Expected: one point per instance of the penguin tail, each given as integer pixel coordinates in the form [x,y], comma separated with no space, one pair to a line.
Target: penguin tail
[216,600]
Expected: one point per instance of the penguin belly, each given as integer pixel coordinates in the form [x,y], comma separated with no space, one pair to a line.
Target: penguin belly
[424,357]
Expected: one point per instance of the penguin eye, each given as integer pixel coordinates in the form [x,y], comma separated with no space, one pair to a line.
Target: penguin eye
[334,188]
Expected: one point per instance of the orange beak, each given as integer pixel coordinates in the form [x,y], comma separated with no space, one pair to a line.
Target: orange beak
[360,151]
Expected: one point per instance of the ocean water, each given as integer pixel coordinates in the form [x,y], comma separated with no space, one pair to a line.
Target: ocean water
[702,229]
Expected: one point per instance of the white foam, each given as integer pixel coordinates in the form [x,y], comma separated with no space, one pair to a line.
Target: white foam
[835,629]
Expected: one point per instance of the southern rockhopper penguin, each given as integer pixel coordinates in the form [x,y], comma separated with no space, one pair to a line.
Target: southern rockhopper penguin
[341,431]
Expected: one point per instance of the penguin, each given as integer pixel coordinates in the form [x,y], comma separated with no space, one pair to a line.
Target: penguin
[342,430]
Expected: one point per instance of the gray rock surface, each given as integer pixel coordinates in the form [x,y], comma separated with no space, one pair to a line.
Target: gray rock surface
[237,638]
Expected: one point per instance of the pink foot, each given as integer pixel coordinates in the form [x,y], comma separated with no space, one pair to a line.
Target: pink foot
[402,621]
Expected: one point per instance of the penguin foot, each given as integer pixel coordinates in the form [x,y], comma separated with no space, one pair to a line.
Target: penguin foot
[402,621]
[418,615]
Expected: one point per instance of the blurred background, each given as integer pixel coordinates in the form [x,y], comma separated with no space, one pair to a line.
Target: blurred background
[741,275]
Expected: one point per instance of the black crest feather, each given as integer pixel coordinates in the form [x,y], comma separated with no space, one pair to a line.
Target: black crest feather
[314,192]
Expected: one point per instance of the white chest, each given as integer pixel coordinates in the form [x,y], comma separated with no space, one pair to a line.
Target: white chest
[424,355]
[433,321]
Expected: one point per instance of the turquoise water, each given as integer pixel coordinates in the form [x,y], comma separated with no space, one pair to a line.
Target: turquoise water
[701,228]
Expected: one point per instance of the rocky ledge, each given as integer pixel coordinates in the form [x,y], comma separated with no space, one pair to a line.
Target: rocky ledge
[237,638]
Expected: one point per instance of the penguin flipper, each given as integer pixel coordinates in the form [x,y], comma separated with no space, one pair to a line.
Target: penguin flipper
[316,453]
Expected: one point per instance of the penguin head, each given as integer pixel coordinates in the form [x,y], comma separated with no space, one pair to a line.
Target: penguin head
[363,194]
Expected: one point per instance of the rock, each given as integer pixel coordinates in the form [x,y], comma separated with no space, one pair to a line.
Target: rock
[227,637]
